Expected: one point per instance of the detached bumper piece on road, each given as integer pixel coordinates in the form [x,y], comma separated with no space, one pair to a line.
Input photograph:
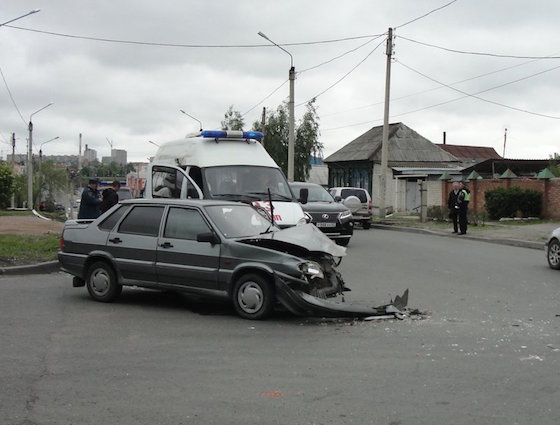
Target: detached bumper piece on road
[303,304]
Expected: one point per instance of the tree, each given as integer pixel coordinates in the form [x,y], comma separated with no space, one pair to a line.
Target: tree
[306,139]
[48,181]
[233,120]
[555,164]
[307,142]
[6,184]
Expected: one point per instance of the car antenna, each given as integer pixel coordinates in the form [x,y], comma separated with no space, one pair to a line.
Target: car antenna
[271,207]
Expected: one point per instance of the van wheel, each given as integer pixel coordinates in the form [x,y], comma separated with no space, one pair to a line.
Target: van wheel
[366,224]
[253,297]
[102,282]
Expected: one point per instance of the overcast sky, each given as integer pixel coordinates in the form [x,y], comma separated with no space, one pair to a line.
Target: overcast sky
[122,70]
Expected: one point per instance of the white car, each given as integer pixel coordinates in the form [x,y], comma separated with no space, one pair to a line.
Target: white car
[552,248]
[358,200]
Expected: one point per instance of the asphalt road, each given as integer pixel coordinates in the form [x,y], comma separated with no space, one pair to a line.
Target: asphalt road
[488,353]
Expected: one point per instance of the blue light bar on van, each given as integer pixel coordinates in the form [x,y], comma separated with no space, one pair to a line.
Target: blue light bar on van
[232,134]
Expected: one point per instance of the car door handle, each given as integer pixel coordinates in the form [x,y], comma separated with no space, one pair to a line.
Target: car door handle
[166,245]
[115,240]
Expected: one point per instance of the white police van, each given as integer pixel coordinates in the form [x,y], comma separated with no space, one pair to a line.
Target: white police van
[226,165]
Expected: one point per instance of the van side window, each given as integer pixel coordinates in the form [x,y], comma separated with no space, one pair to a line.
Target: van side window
[166,182]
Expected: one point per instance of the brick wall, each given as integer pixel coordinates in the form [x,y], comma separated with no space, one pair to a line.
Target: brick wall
[549,188]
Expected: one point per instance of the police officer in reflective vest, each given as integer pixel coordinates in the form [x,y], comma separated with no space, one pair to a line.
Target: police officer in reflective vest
[462,206]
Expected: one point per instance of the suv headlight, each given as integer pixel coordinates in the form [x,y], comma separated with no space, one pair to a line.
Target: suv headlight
[311,269]
[345,215]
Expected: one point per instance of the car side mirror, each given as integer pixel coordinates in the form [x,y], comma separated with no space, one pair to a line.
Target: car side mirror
[208,237]
[337,198]
[303,195]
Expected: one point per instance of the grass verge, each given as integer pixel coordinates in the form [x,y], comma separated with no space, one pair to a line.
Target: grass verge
[16,250]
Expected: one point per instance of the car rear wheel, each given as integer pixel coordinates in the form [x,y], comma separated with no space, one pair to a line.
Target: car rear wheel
[366,224]
[102,282]
[553,254]
[253,297]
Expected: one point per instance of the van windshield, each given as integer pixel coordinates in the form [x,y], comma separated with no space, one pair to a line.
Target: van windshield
[239,182]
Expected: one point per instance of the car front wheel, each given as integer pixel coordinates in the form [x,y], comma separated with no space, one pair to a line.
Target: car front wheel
[102,282]
[253,297]
[553,254]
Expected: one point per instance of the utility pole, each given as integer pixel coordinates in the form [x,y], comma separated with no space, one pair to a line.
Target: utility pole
[263,123]
[385,141]
[12,203]
[505,139]
[80,152]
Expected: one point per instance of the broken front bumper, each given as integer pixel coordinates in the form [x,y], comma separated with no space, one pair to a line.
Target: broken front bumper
[303,304]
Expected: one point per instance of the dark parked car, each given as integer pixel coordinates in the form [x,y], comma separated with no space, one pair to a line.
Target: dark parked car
[331,217]
[224,249]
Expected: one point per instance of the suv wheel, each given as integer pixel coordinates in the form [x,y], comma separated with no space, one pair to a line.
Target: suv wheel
[366,224]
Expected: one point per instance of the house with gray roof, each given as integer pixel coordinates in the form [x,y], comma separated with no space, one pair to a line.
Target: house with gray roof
[412,159]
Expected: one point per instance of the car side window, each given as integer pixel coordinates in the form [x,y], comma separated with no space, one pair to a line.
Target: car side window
[142,220]
[184,223]
[110,221]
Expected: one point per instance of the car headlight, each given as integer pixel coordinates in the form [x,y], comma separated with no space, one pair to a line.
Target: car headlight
[345,215]
[311,269]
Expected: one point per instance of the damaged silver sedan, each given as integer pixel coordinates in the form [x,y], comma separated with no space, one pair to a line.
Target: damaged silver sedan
[212,248]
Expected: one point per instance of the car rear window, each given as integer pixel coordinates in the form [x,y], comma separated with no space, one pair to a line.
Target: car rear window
[360,194]
[110,221]
[142,220]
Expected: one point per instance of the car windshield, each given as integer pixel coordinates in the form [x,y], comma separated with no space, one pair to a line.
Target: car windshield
[236,221]
[246,181]
[316,194]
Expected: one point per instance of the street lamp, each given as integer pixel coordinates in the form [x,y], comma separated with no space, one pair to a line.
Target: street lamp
[291,134]
[30,159]
[41,149]
[153,143]
[19,17]
[196,119]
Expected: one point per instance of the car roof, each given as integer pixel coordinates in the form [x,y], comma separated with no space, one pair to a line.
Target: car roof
[303,184]
[180,202]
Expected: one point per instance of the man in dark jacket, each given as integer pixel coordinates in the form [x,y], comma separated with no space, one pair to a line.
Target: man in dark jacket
[462,207]
[110,197]
[89,203]
[451,203]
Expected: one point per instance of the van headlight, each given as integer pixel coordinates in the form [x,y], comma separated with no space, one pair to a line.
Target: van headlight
[304,220]
[311,269]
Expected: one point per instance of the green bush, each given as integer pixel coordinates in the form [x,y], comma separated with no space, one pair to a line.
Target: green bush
[511,202]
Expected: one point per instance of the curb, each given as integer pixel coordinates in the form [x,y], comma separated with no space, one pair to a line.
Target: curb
[47,267]
[499,241]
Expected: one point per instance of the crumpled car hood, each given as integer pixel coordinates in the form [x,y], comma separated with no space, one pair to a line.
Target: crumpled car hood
[305,236]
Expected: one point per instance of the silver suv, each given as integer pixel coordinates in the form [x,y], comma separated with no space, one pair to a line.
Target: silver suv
[362,211]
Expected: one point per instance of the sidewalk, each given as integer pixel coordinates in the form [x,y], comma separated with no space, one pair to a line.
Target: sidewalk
[523,234]
[526,235]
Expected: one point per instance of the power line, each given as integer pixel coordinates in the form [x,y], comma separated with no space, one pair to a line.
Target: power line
[475,95]
[465,95]
[426,14]
[344,76]
[12,97]
[496,55]
[187,45]
[341,55]
[433,88]
[263,100]
[311,68]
